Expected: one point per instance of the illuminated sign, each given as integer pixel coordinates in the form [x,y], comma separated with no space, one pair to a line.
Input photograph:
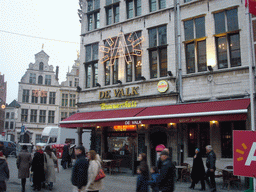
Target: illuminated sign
[37,93]
[129,91]
[125,127]
[162,86]
[126,104]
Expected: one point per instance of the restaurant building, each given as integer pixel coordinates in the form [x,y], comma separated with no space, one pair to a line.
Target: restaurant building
[163,72]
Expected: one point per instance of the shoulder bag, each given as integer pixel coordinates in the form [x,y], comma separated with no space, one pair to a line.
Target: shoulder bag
[100,174]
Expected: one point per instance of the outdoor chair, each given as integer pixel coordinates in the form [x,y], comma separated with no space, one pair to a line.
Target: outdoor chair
[185,172]
[229,178]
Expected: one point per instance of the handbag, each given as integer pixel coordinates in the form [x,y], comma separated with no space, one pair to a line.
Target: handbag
[100,175]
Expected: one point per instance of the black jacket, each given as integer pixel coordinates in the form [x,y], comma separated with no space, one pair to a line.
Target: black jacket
[4,170]
[167,176]
[65,154]
[38,167]
[80,172]
[4,150]
[198,170]
[211,160]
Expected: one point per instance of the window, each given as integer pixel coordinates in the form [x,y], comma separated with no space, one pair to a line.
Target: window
[43,97]
[42,116]
[226,129]
[38,138]
[41,66]
[7,116]
[47,79]
[6,125]
[12,115]
[156,4]
[40,80]
[93,14]
[33,116]
[158,52]
[51,116]
[52,98]
[112,11]
[72,100]
[198,137]
[185,1]
[91,65]
[34,96]
[195,45]
[227,39]
[133,8]
[11,125]
[25,96]
[64,100]
[32,78]
[70,83]
[64,115]
[24,115]
[76,82]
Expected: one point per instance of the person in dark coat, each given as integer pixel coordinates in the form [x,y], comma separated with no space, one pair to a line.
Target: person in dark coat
[198,171]
[4,172]
[38,168]
[3,149]
[142,180]
[66,158]
[159,162]
[79,176]
[211,167]
[143,164]
[154,179]
[23,163]
[167,173]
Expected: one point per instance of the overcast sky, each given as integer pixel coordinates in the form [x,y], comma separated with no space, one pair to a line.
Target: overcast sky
[49,19]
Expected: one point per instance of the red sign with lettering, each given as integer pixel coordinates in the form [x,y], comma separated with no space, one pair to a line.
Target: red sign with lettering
[244,153]
[160,147]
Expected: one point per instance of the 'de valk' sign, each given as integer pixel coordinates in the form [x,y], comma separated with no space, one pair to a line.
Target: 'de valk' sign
[244,153]
[121,92]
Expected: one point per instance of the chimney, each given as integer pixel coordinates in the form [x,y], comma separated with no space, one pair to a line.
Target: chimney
[57,73]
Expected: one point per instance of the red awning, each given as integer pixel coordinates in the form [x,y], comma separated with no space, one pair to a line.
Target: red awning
[228,110]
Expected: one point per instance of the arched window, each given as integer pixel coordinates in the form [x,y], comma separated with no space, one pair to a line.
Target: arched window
[40,80]
[41,66]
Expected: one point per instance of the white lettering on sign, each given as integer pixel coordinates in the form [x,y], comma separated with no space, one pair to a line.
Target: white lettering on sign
[251,156]
[136,122]
[127,123]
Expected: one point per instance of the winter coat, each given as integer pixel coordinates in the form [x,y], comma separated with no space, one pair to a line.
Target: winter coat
[154,182]
[50,169]
[145,169]
[80,172]
[211,160]
[4,169]
[23,163]
[4,150]
[167,175]
[65,154]
[94,167]
[38,167]
[198,170]
[142,183]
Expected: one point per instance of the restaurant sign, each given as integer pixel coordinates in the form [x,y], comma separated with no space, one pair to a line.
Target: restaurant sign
[126,104]
[123,92]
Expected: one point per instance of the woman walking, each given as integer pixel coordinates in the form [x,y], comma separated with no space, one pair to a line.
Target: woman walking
[23,163]
[50,158]
[38,168]
[93,170]
[198,171]
[4,172]
[143,165]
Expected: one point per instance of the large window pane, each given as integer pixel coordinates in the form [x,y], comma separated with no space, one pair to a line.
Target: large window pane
[201,52]
[232,21]
[162,35]
[189,30]
[109,16]
[90,5]
[97,20]
[163,62]
[88,76]
[153,37]
[162,4]
[107,73]
[137,7]
[235,56]
[88,56]
[90,22]
[152,4]
[96,4]
[128,71]
[129,9]
[190,57]
[95,80]
[115,72]
[116,14]
[137,62]
[95,52]
[153,64]
[222,52]
[200,27]
[219,19]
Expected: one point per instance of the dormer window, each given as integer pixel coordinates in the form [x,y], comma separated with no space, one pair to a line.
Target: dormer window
[41,66]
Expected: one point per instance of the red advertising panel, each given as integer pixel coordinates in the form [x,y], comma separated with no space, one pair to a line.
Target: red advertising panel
[244,153]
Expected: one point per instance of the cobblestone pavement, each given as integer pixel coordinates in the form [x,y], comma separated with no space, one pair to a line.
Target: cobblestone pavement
[112,183]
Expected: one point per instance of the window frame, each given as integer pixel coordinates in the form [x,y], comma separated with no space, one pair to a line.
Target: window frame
[32,78]
[25,96]
[24,115]
[156,4]
[48,79]
[33,116]
[93,13]
[52,98]
[114,15]
[42,116]
[51,116]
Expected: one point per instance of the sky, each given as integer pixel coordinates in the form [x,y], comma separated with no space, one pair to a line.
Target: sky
[52,21]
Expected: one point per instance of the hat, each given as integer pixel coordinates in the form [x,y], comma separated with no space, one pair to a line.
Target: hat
[164,152]
[209,147]
[198,149]
[80,147]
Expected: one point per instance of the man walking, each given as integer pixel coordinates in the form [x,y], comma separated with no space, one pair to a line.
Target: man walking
[80,170]
[167,173]
[66,156]
[211,167]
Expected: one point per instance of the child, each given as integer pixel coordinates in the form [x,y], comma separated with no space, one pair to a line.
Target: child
[4,172]
[153,181]
[142,180]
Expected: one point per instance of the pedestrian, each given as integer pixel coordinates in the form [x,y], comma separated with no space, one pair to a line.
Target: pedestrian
[94,167]
[4,172]
[142,180]
[143,164]
[211,167]
[3,149]
[198,171]
[159,162]
[154,179]
[38,168]
[167,173]
[23,163]
[79,176]
[66,158]
[50,160]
